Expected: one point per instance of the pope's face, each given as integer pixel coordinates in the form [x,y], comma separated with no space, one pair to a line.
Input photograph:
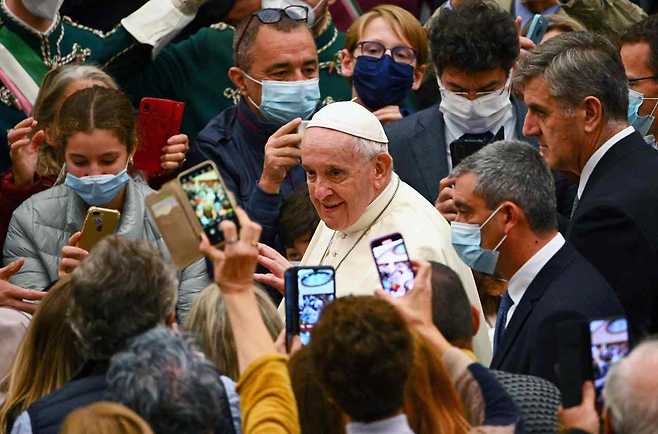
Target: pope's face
[341,181]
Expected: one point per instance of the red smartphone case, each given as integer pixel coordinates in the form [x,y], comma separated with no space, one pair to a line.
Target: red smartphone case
[158,120]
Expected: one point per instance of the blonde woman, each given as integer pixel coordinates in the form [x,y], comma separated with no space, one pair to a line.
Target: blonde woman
[209,321]
[46,359]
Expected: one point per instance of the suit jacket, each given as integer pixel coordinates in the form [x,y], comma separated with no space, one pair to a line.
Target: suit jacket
[567,288]
[615,227]
[418,146]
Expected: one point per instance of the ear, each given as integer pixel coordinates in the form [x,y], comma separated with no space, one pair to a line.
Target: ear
[512,215]
[593,114]
[419,73]
[170,320]
[347,62]
[383,166]
[238,79]
[475,319]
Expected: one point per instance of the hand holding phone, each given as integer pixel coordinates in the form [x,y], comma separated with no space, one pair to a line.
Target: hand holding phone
[99,223]
[210,200]
[308,291]
[537,28]
[609,340]
[158,120]
[393,265]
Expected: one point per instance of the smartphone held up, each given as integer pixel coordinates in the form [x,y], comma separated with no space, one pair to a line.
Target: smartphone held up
[393,265]
[308,291]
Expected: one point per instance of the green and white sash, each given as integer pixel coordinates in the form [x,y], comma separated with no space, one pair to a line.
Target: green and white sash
[21,70]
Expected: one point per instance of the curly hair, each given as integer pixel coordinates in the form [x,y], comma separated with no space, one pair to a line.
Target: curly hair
[476,36]
[119,291]
[644,31]
[165,379]
[362,352]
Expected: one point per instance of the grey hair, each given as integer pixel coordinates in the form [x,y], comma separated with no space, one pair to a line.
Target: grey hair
[576,65]
[120,290]
[514,171]
[369,148]
[630,391]
[162,377]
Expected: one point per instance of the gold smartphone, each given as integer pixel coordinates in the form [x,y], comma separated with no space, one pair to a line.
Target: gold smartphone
[99,223]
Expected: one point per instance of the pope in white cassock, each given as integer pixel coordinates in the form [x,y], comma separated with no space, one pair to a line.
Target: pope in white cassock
[359,197]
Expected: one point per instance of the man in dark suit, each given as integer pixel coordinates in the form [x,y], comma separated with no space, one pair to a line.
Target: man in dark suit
[577,93]
[473,49]
[507,227]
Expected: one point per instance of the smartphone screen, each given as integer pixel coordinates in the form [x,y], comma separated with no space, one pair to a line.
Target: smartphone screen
[316,288]
[393,265]
[610,344]
[209,199]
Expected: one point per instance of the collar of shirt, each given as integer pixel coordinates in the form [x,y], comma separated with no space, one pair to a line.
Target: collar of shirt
[394,425]
[376,206]
[453,132]
[597,155]
[520,281]
[254,129]
[526,14]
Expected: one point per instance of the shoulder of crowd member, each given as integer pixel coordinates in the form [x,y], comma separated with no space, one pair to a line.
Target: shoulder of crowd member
[220,128]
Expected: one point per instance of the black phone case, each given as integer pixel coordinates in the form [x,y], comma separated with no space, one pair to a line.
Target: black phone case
[574,359]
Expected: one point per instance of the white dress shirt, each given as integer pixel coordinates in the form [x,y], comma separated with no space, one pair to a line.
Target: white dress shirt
[399,208]
[393,425]
[524,276]
[596,157]
[453,131]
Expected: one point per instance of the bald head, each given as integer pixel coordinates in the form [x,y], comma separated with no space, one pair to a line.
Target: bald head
[630,391]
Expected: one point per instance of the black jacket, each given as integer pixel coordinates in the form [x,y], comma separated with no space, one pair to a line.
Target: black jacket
[615,227]
[567,288]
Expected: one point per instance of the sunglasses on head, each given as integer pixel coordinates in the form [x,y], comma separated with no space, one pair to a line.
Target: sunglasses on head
[271,16]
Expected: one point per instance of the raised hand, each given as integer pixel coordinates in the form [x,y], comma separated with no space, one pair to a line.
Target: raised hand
[281,153]
[13,296]
[174,154]
[71,255]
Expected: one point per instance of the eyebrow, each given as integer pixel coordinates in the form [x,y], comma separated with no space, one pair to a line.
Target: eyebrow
[486,86]
[283,65]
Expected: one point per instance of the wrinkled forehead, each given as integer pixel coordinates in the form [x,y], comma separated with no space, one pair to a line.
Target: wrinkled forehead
[328,144]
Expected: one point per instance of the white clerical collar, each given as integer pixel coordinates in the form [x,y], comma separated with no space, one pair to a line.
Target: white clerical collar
[376,207]
[524,276]
[596,157]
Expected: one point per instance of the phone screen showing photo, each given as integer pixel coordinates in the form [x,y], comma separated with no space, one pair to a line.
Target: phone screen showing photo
[209,199]
[316,288]
[609,339]
[392,259]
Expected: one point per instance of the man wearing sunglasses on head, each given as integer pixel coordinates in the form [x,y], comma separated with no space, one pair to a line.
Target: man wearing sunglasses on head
[195,70]
[255,143]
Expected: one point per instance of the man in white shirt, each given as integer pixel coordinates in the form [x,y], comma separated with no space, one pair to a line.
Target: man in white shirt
[576,90]
[359,198]
[506,226]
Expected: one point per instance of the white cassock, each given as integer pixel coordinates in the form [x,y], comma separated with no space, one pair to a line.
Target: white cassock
[399,208]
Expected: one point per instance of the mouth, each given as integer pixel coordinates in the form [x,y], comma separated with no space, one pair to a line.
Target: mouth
[330,208]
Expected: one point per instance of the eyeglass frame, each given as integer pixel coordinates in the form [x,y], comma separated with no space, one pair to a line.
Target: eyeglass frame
[282,12]
[359,45]
[477,94]
[635,80]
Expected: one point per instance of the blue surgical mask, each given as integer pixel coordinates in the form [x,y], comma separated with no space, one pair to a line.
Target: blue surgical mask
[642,124]
[98,189]
[381,82]
[635,100]
[283,101]
[467,239]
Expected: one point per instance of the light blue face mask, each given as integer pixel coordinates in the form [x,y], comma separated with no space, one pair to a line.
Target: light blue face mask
[98,189]
[283,101]
[466,239]
[642,124]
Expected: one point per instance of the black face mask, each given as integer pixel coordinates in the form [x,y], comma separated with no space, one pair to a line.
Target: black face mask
[381,82]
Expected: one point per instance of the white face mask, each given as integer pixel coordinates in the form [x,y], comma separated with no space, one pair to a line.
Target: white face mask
[281,4]
[479,115]
[46,9]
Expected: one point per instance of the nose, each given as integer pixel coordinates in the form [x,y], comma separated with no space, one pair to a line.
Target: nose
[530,127]
[320,191]
[299,75]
